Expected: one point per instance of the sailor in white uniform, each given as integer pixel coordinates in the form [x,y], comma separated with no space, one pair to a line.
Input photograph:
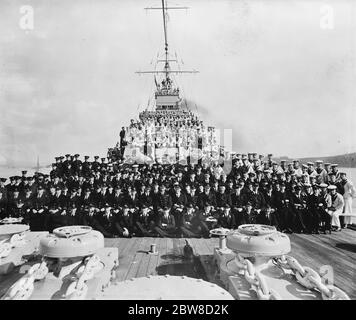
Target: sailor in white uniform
[335,207]
[349,193]
[297,169]
[321,171]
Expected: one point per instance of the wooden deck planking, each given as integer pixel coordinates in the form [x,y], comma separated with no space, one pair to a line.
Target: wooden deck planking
[162,248]
[125,258]
[145,258]
[310,250]
[163,252]
[139,253]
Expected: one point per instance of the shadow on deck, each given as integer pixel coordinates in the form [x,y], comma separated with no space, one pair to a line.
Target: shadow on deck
[337,250]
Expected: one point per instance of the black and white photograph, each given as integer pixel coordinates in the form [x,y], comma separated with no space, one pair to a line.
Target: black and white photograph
[180,150]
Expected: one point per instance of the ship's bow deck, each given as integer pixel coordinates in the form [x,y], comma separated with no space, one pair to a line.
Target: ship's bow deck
[337,250]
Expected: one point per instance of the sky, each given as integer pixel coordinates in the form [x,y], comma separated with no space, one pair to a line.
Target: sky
[268,70]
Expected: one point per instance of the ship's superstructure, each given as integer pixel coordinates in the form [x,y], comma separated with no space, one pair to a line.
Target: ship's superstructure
[167,131]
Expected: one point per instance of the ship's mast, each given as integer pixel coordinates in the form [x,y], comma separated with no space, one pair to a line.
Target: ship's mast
[164,14]
[166,70]
[166,94]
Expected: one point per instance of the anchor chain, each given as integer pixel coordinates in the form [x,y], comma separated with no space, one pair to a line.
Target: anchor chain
[310,279]
[78,289]
[256,279]
[23,288]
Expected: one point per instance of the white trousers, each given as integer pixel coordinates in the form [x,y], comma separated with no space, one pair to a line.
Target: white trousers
[348,209]
[335,221]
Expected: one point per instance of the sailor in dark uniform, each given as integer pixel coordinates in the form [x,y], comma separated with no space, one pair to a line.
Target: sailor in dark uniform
[39,215]
[103,165]
[163,200]
[125,222]
[323,201]
[226,219]
[268,216]
[199,176]
[256,197]
[55,167]
[87,198]
[86,167]
[61,166]
[237,200]
[10,186]
[244,216]
[3,204]
[15,204]
[18,184]
[99,196]
[192,198]
[107,223]
[205,197]
[284,211]
[313,214]
[188,227]
[166,226]
[73,215]
[204,219]
[179,202]
[77,163]
[222,199]
[145,220]
[89,216]
[299,206]
[122,140]
[56,211]
[96,164]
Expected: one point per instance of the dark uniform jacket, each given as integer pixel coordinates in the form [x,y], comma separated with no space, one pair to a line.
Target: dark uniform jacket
[206,198]
[226,221]
[257,200]
[163,200]
[222,199]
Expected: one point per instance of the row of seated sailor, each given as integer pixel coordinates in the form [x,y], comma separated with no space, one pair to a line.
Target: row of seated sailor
[187,214]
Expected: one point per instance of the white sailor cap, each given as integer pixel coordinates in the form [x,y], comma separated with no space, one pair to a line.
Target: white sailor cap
[319,161]
[331,187]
